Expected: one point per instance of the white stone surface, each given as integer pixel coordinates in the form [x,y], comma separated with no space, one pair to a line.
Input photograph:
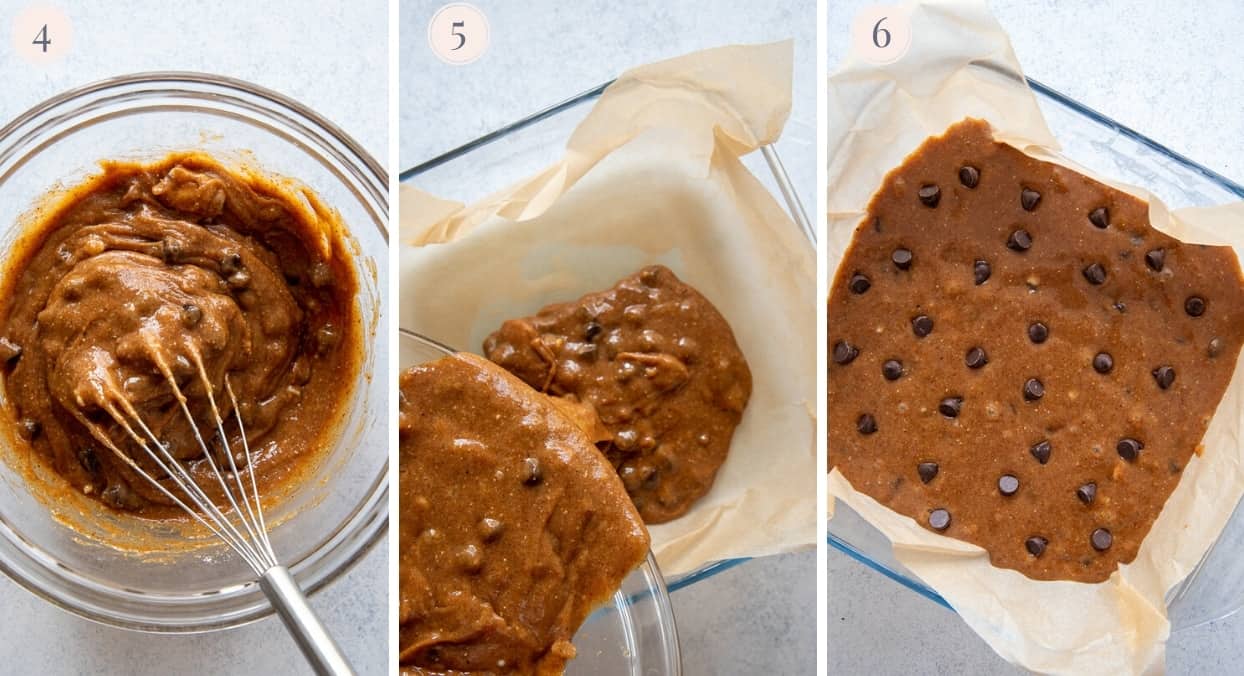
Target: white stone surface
[1172,71]
[332,57]
[758,618]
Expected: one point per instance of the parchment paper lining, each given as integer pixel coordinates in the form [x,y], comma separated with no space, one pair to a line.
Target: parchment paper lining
[652,175]
[960,64]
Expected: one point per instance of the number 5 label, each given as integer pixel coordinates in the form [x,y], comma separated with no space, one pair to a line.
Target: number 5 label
[458,33]
[42,34]
[881,34]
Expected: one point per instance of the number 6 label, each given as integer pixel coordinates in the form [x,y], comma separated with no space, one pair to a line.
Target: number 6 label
[42,35]
[881,34]
[458,33]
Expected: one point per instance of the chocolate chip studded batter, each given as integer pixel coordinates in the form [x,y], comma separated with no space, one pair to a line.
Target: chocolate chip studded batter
[513,527]
[176,272]
[1066,367]
[660,367]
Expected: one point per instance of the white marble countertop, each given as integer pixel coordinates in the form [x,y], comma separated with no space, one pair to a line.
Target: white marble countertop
[1172,71]
[758,617]
[333,59]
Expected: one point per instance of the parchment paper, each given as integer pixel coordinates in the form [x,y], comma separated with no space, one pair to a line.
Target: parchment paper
[878,115]
[652,175]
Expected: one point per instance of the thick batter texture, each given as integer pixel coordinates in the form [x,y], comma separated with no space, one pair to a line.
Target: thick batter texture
[658,364]
[1019,360]
[180,275]
[513,526]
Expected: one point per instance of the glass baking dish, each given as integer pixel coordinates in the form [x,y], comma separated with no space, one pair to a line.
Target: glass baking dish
[1215,589]
[497,159]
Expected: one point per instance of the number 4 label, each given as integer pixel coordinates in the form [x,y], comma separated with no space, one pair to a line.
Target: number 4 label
[42,35]
[42,39]
[881,34]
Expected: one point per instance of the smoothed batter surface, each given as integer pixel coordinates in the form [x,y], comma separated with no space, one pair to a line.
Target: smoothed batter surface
[513,527]
[660,367]
[1019,360]
[184,272]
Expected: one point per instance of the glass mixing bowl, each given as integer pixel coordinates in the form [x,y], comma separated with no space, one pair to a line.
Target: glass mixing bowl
[340,511]
[632,633]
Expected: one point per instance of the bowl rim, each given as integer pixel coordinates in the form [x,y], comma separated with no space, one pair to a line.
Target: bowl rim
[367,523]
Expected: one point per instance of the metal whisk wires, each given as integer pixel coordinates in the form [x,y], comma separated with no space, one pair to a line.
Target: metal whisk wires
[246,533]
[249,537]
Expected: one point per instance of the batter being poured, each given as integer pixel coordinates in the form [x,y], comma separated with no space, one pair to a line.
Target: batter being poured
[151,284]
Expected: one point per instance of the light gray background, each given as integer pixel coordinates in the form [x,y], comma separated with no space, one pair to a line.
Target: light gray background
[760,617]
[335,60]
[1172,71]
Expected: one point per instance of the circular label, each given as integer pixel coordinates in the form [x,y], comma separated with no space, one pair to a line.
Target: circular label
[42,34]
[881,34]
[458,33]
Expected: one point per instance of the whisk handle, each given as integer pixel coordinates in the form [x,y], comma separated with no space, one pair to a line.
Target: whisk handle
[303,624]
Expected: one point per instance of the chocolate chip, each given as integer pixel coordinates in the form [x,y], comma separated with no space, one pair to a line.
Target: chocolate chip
[1029,198]
[30,428]
[921,325]
[1118,305]
[866,424]
[1041,451]
[976,358]
[844,352]
[1100,217]
[981,271]
[1038,332]
[939,519]
[1103,363]
[926,470]
[1008,484]
[1102,539]
[1036,545]
[859,283]
[231,263]
[969,175]
[1129,449]
[239,280]
[950,406]
[88,460]
[1215,347]
[533,475]
[1019,240]
[592,330]
[1033,389]
[1095,274]
[9,350]
[470,558]
[171,251]
[892,369]
[1087,493]
[1165,376]
[191,314]
[930,195]
[901,258]
[490,529]
[1194,306]
[1156,259]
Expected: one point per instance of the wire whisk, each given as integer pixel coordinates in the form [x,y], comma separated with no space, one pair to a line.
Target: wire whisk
[246,533]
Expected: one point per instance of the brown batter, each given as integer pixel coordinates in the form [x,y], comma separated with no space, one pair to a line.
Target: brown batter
[1019,360]
[658,364]
[513,527]
[184,270]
